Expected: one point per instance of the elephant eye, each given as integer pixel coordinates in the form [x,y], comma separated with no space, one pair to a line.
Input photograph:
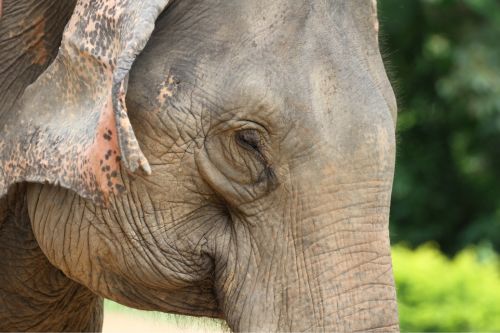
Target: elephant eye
[252,141]
[249,139]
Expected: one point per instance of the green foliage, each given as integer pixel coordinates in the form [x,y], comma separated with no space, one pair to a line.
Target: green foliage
[439,294]
[445,59]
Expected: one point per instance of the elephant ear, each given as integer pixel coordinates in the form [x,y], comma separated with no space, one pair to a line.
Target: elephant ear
[71,127]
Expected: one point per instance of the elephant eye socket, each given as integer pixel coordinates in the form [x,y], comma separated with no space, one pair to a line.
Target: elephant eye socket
[249,139]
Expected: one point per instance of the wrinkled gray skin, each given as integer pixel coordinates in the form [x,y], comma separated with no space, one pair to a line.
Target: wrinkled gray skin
[272,153]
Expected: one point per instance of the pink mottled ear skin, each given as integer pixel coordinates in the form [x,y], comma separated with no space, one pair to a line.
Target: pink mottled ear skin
[71,127]
[107,166]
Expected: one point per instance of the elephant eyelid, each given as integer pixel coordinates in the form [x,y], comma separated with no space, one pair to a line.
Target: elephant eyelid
[253,141]
[248,139]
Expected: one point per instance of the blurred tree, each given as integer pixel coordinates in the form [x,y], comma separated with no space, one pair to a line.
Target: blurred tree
[444,56]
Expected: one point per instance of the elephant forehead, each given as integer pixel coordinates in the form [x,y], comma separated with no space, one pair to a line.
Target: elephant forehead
[279,27]
[203,30]
[266,55]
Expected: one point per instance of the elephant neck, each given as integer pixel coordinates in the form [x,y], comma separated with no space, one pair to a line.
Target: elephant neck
[34,295]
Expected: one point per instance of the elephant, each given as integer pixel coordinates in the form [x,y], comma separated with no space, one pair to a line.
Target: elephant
[213,158]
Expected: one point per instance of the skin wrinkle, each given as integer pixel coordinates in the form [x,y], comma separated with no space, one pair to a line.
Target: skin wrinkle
[358,305]
[292,217]
[317,318]
[147,254]
[138,244]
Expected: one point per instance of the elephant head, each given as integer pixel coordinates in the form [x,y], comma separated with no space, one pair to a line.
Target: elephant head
[233,160]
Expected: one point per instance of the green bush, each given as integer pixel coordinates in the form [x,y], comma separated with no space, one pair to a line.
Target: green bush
[440,294]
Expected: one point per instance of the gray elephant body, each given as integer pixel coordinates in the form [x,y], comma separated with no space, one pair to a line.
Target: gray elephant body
[268,130]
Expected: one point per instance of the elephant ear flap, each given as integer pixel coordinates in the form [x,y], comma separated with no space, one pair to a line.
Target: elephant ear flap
[71,127]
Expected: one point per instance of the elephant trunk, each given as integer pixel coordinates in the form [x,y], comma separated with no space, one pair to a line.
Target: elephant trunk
[342,280]
[323,264]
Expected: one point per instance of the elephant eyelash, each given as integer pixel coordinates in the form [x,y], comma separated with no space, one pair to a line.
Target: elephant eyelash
[249,139]
[252,141]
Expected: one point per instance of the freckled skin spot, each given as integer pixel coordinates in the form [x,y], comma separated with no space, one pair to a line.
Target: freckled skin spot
[119,188]
[167,89]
